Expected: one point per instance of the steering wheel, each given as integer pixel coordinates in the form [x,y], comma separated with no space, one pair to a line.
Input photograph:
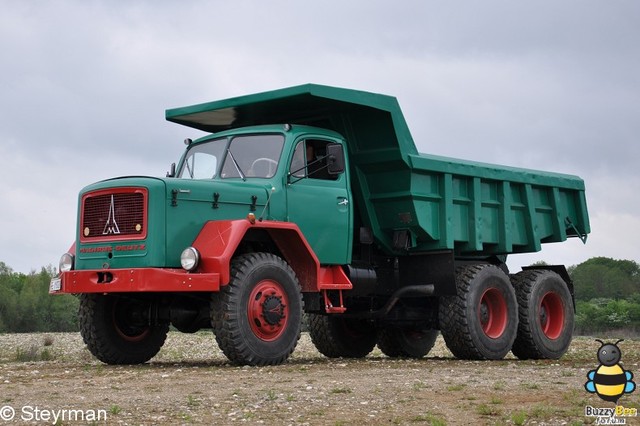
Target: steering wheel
[272,165]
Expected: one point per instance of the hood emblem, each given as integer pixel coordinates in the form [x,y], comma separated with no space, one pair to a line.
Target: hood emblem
[111,227]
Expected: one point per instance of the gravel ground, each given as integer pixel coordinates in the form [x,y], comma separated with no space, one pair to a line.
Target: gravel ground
[191,382]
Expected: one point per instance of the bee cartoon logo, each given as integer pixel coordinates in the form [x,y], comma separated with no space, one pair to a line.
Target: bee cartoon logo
[609,381]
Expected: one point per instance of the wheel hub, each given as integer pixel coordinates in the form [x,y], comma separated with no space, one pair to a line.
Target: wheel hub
[492,313]
[484,314]
[273,310]
[551,315]
[127,322]
[268,310]
[543,316]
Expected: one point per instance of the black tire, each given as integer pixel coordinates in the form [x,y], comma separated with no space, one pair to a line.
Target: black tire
[337,337]
[545,310]
[187,329]
[257,317]
[109,329]
[406,342]
[481,321]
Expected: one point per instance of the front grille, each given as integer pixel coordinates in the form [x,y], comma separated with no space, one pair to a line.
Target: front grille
[114,214]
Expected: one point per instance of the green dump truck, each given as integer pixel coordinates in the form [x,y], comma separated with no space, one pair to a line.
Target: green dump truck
[313,199]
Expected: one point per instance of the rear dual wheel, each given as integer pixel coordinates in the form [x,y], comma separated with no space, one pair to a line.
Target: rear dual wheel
[406,342]
[546,315]
[339,337]
[481,320]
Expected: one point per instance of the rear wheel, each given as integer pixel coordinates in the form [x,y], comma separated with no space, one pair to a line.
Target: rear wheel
[546,315]
[406,342]
[481,321]
[257,317]
[337,337]
[115,331]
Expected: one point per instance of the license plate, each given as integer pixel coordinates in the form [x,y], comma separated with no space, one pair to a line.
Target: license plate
[55,284]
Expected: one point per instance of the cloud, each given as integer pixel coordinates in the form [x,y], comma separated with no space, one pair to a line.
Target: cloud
[543,85]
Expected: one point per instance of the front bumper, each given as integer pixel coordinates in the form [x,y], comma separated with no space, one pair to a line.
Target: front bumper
[133,280]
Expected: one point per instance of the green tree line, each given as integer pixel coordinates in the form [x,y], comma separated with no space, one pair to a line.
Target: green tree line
[607,293]
[26,306]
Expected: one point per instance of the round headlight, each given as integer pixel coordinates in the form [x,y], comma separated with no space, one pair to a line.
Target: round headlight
[190,258]
[66,262]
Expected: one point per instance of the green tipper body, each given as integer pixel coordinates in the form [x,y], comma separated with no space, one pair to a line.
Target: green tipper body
[411,202]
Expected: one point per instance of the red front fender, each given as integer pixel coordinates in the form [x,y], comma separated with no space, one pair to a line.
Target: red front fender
[218,241]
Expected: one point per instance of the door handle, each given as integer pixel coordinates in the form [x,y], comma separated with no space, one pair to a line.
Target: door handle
[343,202]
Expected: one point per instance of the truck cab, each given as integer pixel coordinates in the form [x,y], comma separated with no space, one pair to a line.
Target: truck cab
[296,173]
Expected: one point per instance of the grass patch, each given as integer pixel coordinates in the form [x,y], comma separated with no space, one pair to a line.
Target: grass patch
[419,385]
[33,354]
[340,390]
[518,418]
[192,401]
[541,412]
[531,386]
[271,395]
[429,419]
[455,388]
[488,410]
[495,400]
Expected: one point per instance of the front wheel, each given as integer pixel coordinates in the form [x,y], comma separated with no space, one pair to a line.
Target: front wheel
[114,329]
[257,317]
[546,315]
[481,320]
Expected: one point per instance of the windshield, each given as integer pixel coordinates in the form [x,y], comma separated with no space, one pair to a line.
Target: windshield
[202,160]
[253,156]
[246,156]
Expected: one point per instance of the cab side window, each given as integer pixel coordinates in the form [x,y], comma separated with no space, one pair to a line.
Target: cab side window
[309,160]
[298,161]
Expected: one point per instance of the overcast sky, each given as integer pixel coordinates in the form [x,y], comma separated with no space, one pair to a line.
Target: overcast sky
[550,85]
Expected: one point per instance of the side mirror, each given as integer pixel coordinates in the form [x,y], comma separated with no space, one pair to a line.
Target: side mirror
[335,159]
[172,172]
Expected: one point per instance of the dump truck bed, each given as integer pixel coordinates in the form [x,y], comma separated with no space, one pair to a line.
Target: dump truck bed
[415,202]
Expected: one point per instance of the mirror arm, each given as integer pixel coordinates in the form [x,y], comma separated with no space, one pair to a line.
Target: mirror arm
[317,160]
[172,170]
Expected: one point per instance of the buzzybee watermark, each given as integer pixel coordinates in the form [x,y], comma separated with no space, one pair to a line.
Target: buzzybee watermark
[610,381]
[30,413]
[610,416]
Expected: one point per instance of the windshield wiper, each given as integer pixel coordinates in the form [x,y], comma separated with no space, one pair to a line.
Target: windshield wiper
[235,163]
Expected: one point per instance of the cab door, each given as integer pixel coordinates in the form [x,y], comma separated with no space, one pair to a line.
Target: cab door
[320,203]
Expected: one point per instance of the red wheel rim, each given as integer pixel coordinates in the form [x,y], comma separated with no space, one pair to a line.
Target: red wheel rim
[268,310]
[492,313]
[551,315]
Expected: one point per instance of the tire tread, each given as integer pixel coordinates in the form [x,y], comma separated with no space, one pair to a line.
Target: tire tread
[95,334]
[226,324]
[459,333]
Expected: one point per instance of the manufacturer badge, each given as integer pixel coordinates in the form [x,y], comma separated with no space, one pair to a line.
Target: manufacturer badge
[111,227]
